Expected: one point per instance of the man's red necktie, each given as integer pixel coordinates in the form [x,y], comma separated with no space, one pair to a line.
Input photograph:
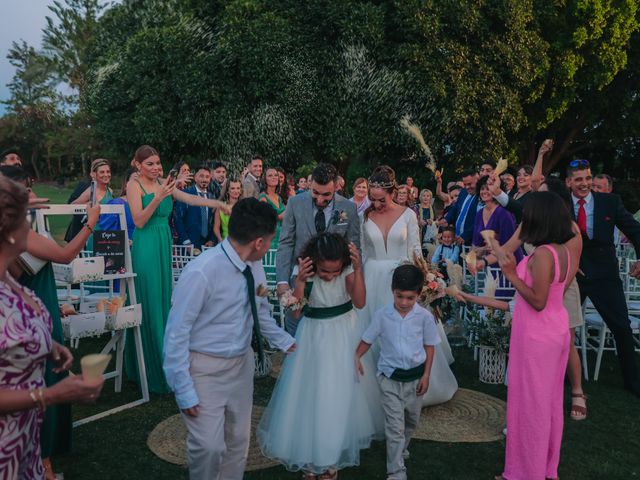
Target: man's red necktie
[582,216]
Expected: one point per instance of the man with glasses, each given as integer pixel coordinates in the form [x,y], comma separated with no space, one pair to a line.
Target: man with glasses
[599,278]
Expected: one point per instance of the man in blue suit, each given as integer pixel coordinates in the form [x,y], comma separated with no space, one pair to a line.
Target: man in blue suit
[463,213]
[194,224]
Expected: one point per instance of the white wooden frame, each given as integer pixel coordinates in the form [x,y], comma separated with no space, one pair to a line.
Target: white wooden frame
[117,340]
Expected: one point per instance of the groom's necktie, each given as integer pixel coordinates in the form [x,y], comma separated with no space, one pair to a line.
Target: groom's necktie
[321,223]
[251,289]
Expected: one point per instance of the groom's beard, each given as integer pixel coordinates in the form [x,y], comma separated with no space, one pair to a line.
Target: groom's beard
[322,203]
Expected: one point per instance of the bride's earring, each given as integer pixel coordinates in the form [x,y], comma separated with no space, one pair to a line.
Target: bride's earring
[11,240]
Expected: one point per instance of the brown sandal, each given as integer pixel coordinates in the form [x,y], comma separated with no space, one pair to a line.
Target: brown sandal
[578,412]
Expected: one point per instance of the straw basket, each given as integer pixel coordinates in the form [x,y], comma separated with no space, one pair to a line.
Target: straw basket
[493,365]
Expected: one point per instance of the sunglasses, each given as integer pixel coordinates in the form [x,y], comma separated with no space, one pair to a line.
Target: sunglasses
[579,164]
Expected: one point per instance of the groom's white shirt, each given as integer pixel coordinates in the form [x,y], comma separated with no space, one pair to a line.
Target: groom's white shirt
[211,314]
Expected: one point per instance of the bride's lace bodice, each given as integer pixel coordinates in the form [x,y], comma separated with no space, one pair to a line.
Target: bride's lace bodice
[403,239]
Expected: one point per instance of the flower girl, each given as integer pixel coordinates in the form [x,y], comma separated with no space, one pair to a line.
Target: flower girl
[320,414]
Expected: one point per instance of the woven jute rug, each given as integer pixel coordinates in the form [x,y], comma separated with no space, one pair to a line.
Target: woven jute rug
[469,416]
[169,442]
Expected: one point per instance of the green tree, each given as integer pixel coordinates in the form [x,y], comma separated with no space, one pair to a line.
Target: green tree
[33,102]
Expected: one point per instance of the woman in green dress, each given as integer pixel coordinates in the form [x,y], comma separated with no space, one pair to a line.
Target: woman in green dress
[55,434]
[270,195]
[149,199]
[230,194]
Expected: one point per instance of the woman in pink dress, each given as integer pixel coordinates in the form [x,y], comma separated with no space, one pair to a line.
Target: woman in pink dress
[25,344]
[539,346]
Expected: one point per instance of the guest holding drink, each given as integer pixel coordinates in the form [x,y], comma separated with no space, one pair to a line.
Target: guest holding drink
[25,345]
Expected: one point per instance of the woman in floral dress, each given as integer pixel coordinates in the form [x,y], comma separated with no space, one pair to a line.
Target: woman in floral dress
[25,344]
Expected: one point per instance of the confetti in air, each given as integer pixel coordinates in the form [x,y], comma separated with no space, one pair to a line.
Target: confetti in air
[414,131]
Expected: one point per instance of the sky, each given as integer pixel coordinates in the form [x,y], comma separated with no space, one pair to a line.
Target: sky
[20,19]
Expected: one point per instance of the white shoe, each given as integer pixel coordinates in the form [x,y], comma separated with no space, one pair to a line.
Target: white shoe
[504,432]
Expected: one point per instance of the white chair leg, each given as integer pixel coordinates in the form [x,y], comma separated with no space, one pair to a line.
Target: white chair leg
[583,351]
[601,342]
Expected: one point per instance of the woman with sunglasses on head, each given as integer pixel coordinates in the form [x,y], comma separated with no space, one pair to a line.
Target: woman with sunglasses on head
[150,201]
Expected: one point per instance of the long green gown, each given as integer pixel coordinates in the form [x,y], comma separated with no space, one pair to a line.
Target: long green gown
[55,434]
[151,256]
[279,210]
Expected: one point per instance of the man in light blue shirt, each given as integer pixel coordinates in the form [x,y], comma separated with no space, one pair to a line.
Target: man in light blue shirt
[208,359]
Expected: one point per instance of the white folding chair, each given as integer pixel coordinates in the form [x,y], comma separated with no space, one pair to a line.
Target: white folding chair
[596,336]
[269,264]
[180,256]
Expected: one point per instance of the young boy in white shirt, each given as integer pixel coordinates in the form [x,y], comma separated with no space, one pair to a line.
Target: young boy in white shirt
[407,335]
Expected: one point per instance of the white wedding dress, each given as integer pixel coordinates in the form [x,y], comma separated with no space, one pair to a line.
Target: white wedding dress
[380,260]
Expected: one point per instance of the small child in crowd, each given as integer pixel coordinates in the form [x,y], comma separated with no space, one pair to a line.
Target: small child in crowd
[447,250]
[407,335]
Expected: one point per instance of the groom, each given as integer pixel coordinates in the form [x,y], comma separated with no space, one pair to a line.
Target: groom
[208,360]
[318,210]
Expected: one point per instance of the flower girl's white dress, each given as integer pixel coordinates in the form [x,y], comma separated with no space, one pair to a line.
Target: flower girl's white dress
[320,414]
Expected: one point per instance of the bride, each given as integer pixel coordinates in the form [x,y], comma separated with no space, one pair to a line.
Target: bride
[390,236]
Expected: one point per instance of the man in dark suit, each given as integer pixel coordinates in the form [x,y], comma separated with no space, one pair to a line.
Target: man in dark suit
[194,223]
[599,278]
[463,213]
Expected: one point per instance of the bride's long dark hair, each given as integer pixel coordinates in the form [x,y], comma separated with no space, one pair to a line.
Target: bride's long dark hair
[383,177]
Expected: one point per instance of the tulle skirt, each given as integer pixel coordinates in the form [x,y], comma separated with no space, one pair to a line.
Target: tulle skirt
[321,414]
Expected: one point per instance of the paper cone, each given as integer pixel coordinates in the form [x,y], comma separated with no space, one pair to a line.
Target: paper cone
[501,167]
[471,258]
[94,365]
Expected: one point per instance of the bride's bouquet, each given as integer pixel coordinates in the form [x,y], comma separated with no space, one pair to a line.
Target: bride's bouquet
[434,284]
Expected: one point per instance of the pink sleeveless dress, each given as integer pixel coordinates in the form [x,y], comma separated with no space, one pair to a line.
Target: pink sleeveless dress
[538,354]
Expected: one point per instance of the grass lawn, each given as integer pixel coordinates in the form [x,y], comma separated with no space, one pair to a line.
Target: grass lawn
[56,195]
[606,445]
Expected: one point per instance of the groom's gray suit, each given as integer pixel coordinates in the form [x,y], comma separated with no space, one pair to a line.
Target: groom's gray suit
[298,226]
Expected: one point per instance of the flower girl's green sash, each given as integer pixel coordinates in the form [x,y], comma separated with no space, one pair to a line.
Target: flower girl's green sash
[324,312]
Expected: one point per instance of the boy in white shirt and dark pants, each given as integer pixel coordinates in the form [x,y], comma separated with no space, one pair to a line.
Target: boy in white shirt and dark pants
[208,359]
[407,335]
